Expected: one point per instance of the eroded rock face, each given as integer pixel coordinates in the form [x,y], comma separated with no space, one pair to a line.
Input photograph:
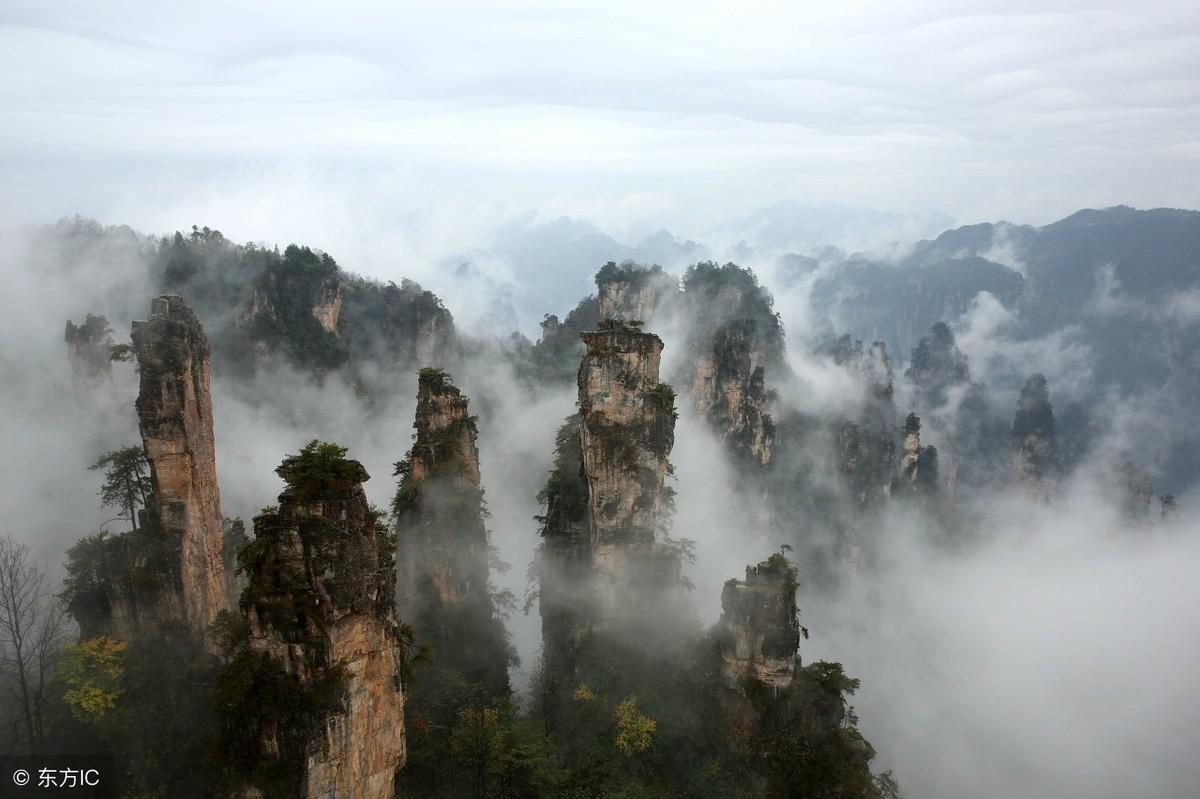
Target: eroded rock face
[1033,441]
[415,327]
[604,563]
[627,431]
[327,305]
[866,458]
[320,603]
[551,327]
[759,629]
[734,341]
[631,292]
[126,585]
[442,542]
[235,538]
[728,388]
[174,408]
[446,434]
[866,437]
[910,453]
[770,700]
[294,310]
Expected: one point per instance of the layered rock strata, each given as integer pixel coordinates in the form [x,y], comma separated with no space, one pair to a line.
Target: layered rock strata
[769,699]
[174,408]
[633,293]
[734,341]
[728,388]
[319,605]
[759,629]
[606,563]
[442,541]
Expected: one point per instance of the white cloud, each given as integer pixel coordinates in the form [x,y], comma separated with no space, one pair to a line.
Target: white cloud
[1023,110]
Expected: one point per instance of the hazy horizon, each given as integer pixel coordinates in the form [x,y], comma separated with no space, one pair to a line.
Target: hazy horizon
[1009,643]
[279,120]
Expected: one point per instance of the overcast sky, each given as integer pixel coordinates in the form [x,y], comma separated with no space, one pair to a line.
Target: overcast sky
[632,115]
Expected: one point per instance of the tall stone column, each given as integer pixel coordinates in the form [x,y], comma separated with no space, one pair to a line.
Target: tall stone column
[174,408]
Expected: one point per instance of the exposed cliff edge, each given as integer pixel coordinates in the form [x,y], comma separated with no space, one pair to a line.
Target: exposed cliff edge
[297,305]
[788,724]
[174,408]
[733,338]
[734,342]
[442,543]
[759,629]
[607,563]
[316,699]
[633,293]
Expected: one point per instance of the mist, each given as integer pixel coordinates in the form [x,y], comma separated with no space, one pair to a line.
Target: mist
[876,167]
[1051,660]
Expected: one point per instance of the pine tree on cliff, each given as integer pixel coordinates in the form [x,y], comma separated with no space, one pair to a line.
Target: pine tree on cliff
[311,698]
[443,550]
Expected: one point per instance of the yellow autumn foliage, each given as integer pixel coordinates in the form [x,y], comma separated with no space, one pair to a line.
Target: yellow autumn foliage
[635,730]
[92,672]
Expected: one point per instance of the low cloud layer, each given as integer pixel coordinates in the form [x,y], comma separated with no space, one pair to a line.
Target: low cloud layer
[629,115]
[1050,661]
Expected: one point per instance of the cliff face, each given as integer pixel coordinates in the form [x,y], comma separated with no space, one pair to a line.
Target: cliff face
[728,388]
[1033,441]
[125,586]
[174,408]
[866,437]
[89,352]
[918,465]
[866,463]
[626,434]
[771,703]
[759,630]
[319,605]
[604,563]
[295,308]
[735,340]
[442,541]
[633,293]
[410,327]
[327,305]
